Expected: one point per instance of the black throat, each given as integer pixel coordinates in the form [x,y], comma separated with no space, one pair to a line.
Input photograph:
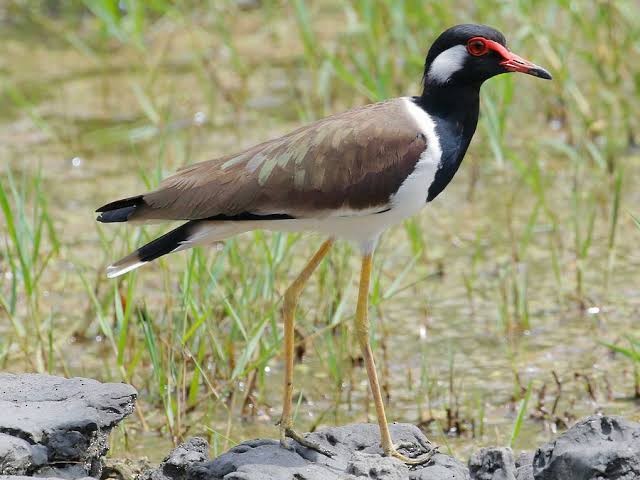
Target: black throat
[454,109]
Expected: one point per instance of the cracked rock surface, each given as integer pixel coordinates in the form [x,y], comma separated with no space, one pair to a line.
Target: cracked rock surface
[595,448]
[493,463]
[357,457]
[53,426]
[524,466]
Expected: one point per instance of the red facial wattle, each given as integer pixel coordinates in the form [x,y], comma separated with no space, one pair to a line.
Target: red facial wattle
[510,61]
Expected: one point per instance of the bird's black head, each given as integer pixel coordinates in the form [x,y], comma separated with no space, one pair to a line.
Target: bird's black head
[467,55]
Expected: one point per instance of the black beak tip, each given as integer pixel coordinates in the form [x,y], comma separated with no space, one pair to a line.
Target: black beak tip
[540,73]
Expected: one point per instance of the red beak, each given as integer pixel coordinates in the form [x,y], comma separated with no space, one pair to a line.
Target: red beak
[515,63]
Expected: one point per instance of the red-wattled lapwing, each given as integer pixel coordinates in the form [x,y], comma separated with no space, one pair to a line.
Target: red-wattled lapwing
[349,176]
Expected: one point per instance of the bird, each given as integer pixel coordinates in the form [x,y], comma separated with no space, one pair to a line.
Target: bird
[348,177]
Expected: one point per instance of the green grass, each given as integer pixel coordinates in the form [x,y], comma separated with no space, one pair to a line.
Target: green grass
[30,243]
[500,273]
[632,352]
[522,412]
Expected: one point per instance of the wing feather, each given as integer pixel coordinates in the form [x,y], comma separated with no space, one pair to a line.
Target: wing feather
[354,160]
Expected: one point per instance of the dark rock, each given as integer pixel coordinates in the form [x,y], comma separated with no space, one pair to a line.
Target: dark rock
[17,456]
[26,477]
[524,459]
[524,466]
[595,448]
[58,428]
[357,456]
[184,462]
[63,472]
[58,421]
[525,473]
[443,467]
[493,463]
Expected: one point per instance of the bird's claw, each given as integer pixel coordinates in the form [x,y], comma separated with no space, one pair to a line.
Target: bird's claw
[420,460]
[288,432]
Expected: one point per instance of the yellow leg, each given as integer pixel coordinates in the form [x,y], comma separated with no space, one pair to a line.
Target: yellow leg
[291,297]
[362,332]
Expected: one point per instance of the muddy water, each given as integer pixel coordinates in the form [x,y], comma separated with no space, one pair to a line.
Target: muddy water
[90,122]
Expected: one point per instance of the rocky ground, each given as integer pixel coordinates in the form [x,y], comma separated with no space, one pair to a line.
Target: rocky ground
[56,427]
[52,426]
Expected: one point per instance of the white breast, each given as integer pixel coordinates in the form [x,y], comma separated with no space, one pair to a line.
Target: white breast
[412,194]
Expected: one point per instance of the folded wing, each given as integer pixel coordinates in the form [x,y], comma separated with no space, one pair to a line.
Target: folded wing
[341,164]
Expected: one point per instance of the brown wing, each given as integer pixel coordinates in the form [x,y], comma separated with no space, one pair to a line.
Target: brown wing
[354,160]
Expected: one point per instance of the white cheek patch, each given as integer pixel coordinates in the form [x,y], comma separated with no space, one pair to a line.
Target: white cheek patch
[447,63]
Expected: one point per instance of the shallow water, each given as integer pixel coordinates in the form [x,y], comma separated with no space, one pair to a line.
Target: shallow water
[91,123]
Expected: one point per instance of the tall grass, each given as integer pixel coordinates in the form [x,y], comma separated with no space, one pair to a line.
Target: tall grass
[30,242]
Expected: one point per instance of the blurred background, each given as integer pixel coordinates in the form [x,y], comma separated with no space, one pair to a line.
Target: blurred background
[502,313]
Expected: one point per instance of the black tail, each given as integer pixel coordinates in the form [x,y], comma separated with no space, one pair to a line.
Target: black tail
[120,210]
[167,243]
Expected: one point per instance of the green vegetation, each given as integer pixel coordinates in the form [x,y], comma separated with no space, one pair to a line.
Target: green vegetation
[632,353]
[525,272]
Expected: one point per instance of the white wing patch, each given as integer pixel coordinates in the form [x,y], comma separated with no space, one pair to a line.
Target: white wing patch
[447,63]
[114,271]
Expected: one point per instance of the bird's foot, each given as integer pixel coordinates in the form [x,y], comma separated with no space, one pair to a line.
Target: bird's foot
[287,431]
[420,460]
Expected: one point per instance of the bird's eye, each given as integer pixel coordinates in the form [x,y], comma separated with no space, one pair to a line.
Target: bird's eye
[477,47]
